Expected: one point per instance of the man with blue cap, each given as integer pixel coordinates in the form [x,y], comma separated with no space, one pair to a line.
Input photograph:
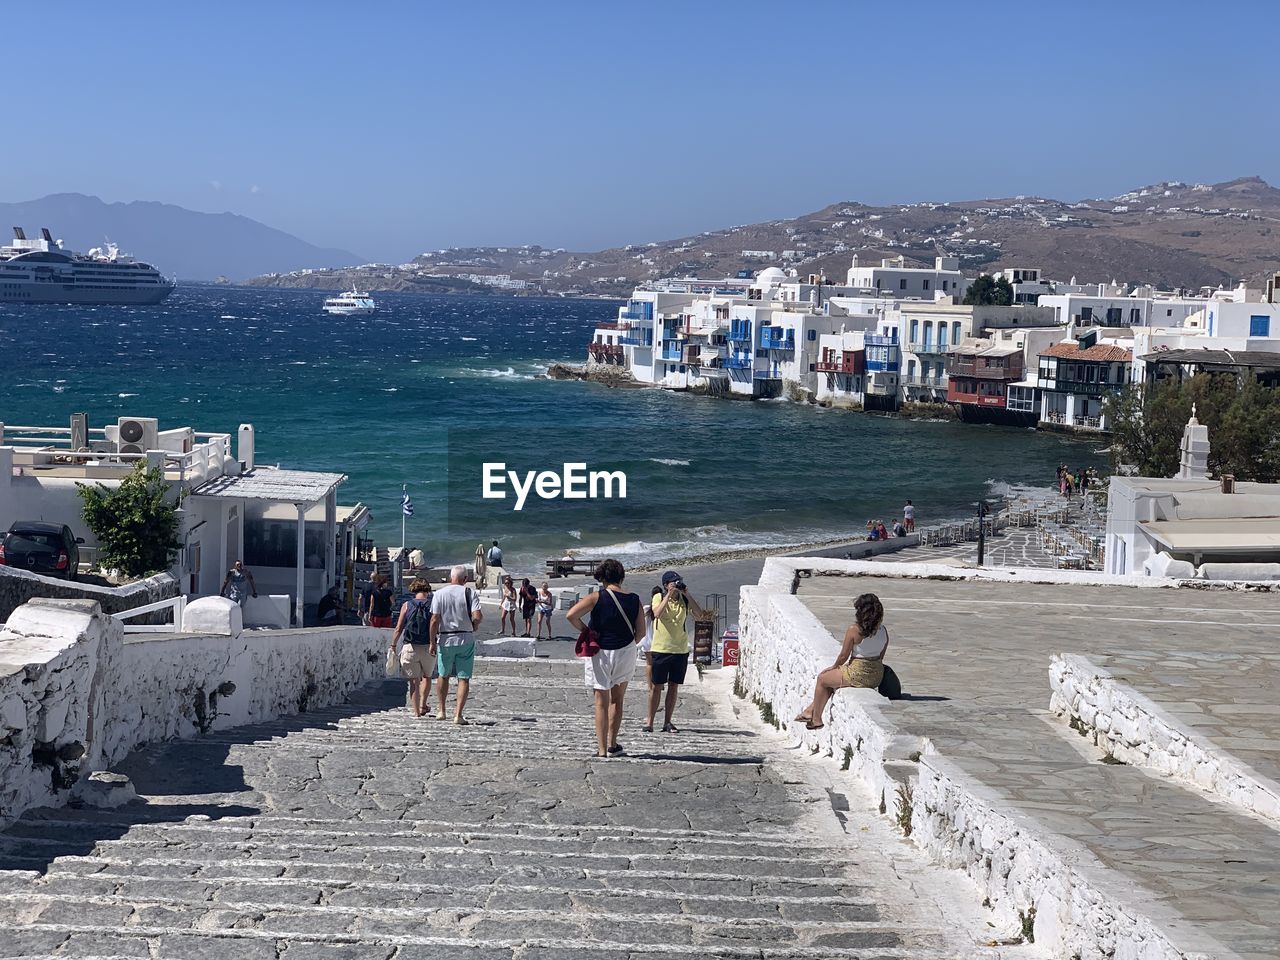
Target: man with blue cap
[669,652]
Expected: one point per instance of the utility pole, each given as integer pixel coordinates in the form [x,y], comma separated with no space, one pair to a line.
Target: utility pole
[982,530]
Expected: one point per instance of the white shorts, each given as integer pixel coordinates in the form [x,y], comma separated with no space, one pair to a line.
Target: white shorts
[608,668]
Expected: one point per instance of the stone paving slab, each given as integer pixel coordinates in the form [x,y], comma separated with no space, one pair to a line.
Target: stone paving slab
[359,831]
[976,656]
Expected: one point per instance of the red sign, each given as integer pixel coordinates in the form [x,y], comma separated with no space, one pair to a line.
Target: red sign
[729,655]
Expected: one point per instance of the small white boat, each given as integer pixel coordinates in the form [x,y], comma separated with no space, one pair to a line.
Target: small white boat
[351,303]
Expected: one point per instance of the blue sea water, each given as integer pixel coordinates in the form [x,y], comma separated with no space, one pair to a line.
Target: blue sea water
[426,389]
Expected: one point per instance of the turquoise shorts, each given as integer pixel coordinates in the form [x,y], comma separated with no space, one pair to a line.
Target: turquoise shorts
[456,661]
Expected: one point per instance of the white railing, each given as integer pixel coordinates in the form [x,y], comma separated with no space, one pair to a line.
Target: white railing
[48,448]
[178,604]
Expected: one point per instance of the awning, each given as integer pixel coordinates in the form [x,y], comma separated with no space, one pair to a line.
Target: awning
[273,485]
[1219,536]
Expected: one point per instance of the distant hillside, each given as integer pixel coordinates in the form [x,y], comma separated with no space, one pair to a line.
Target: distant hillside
[193,246]
[1169,234]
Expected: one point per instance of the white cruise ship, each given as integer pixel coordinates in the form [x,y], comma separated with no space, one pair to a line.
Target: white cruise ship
[40,271]
[349,304]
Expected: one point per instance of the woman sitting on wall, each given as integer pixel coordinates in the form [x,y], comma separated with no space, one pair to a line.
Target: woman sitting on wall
[861,659]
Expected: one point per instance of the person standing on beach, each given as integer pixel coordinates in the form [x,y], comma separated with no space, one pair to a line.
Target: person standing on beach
[669,651]
[418,655]
[380,599]
[528,600]
[618,620]
[909,517]
[455,615]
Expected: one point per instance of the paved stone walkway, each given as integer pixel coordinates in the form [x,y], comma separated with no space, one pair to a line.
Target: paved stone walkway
[975,658]
[360,832]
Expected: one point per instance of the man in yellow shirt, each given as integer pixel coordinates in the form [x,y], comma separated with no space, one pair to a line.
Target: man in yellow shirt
[669,653]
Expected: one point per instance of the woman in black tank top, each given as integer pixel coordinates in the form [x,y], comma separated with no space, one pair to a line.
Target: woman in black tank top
[617,617]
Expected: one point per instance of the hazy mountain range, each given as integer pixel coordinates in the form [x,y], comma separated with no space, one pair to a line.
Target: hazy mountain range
[177,241]
[1169,234]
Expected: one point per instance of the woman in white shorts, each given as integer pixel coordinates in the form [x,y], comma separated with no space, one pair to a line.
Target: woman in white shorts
[617,617]
[508,605]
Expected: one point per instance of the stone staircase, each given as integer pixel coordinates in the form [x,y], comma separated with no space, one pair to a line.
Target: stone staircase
[361,832]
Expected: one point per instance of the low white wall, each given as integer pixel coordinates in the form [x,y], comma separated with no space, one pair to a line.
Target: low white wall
[75,697]
[1067,896]
[1075,906]
[57,659]
[1132,728]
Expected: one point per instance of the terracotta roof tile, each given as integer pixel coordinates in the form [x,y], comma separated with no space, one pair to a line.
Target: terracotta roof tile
[1101,352]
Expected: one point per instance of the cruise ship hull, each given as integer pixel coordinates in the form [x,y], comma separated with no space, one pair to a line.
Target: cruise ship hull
[23,293]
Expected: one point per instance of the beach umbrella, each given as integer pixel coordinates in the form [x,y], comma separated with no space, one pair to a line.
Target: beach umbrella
[481,575]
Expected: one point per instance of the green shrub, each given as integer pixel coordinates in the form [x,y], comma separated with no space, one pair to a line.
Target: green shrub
[136,524]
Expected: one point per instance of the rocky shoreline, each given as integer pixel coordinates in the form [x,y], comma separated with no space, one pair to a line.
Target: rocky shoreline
[608,374]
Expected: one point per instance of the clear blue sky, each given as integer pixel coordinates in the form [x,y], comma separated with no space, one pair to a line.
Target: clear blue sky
[392,128]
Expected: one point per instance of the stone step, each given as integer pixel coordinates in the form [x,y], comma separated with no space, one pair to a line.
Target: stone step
[64,833]
[483,915]
[545,856]
[155,815]
[491,940]
[339,866]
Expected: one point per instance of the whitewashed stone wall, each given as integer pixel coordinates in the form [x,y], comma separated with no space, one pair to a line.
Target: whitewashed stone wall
[1130,727]
[57,659]
[1074,905]
[75,697]
[1056,886]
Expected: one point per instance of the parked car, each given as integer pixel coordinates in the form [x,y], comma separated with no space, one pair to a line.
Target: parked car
[47,548]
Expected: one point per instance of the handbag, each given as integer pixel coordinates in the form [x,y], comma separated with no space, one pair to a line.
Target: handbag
[393,663]
[588,644]
[589,639]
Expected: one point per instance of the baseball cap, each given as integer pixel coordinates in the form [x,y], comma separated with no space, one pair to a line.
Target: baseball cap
[670,577]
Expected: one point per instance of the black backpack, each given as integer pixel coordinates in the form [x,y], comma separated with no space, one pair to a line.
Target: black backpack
[417,626]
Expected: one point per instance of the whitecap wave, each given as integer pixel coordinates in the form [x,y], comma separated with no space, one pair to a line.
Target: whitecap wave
[125,396]
[667,462]
[469,339]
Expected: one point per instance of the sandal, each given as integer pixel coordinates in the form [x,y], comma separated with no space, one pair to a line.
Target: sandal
[670,728]
[616,750]
[647,728]
[814,726]
[462,721]
[803,718]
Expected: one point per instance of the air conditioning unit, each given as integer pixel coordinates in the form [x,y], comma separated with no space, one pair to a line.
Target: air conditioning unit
[137,434]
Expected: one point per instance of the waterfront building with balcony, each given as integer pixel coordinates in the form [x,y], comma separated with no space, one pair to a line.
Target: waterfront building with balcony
[930,332]
[982,372]
[841,369]
[606,346]
[1075,376]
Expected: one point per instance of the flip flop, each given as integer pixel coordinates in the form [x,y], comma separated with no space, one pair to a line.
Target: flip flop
[670,728]
[814,726]
[462,721]
[801,718]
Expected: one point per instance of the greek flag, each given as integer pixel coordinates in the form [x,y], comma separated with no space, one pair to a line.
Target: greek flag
[406,505]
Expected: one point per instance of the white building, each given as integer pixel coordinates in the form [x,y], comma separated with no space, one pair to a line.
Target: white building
[1223,336]
[286,525]
[1112,307]
[1075,376]
[894,278]
[1028,284]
